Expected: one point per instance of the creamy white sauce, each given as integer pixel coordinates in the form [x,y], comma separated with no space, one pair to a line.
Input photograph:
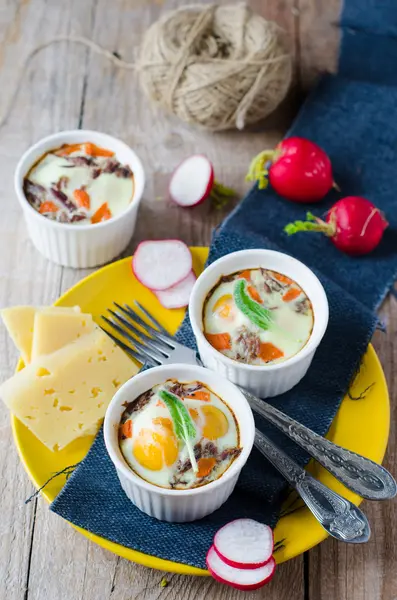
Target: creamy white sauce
[108,188]
[143,419]
[289,332]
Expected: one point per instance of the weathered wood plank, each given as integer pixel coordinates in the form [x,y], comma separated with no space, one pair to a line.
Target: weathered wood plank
[319,39]
[366,572]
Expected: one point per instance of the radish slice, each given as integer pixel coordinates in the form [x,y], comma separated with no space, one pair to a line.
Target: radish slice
[178,295]
[241,579]
[192,181]
[161,264]
[244,543]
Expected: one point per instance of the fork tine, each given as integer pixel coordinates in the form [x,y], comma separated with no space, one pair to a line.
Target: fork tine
[153,354]
[149,316]
[155,344]
[134,353]
[165,337]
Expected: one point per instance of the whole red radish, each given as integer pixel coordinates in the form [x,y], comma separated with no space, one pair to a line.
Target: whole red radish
[353,224]
[193,181]
[299,170]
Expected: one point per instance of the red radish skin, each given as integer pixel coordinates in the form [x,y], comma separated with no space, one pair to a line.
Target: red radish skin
[353,224]
[161,264]
[177,296]
[193,181]
[244,543]
[299,171]
[245,580]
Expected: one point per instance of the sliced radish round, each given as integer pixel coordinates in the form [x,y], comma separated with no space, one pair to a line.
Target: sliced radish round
[161,264]
[244,543]
[191,182]
[241,579]
[178,295]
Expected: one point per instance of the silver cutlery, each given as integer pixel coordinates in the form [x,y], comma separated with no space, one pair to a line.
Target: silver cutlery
[339,517]
[361,475]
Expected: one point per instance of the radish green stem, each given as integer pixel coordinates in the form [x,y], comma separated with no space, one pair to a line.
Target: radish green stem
[220,194]
[257,170]
[313,223]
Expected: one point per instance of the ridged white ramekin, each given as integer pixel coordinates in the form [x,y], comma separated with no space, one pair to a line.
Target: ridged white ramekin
[80,246]
[267,380]
[178,505]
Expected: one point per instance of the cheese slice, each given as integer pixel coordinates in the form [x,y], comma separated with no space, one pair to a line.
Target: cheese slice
[19,321]
[64,395]
[54,329]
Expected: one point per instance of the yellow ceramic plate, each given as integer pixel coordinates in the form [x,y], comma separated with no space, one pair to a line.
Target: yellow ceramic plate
[361,425]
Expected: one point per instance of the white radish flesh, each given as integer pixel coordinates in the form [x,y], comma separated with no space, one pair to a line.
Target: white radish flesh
[241,579]
[178,295]
[192,181]
[244,543]
[161,264]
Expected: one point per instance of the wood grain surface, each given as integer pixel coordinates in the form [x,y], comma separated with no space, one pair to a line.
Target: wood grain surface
[66,86]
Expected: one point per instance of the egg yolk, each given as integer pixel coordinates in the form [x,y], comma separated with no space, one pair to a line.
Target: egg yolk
[223,306]
[154,449]
[215,422]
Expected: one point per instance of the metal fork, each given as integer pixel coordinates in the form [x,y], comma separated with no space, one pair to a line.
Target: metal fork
[151,344]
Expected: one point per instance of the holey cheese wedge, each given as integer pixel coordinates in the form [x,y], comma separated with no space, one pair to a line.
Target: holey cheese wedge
[64,395]
[54,329]
[20,324]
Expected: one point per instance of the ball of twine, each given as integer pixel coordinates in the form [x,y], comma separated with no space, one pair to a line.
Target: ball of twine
[215,66]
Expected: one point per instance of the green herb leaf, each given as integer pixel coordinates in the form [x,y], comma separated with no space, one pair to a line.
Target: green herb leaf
[185,429]
[163,582]
[257,314]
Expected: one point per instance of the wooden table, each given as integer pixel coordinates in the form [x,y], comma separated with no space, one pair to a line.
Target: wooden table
[65,87]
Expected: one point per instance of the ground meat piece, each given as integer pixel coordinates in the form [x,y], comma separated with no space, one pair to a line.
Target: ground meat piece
[227,278]
[248,344]
[137,404]
[229,453]
[110,166]
[35,193]
[78,217]
[63,199]
[179,389]
[96,172]
[302,306]
[273,284]
[209,450]
[123,171]
[80,161]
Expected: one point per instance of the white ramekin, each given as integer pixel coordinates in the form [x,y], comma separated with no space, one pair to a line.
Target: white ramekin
[178,505]
[267,380]
[80,246]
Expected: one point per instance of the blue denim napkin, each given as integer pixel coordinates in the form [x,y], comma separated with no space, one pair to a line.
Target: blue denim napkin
[355,121]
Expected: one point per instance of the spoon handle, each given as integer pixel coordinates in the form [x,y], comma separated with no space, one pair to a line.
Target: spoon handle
[339,517]
[361,475]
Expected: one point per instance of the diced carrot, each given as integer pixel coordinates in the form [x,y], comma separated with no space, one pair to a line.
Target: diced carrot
[82,198]
[200,395]
[282,278]
[205,466]
[94,150]
[253,292]
[245,275]
[291,294]
[68,149]
[126,429]
[220,341]
[163,421]
[48,206]
[160,403]
[268,352]
[193,413]
[102,214]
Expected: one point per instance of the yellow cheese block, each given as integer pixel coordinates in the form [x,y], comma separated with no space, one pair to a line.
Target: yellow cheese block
[54,329]
[64,395]
[19,321]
